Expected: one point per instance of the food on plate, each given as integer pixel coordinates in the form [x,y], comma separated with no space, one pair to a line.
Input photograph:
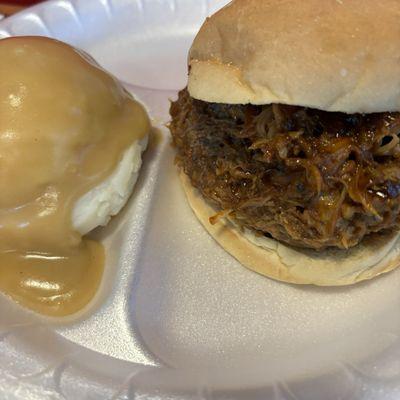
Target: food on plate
[287,137]
[71,140]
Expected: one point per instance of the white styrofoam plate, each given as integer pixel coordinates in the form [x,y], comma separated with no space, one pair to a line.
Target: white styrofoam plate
[176,317]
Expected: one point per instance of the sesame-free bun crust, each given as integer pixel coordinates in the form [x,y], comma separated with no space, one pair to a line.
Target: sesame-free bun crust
[333,55]
[376,255]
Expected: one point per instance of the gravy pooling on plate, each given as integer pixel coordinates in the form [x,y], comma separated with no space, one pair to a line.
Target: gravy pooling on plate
[64,126]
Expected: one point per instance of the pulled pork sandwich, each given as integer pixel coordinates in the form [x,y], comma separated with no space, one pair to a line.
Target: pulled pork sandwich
[287,136]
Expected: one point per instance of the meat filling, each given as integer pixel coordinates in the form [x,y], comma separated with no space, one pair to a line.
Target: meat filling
[306,177]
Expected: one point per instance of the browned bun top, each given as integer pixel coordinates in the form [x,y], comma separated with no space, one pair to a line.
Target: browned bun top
[333,55]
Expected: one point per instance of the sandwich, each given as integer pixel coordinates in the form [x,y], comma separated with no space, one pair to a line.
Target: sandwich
[287,137]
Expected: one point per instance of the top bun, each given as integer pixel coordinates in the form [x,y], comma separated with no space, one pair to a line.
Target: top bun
[333,55]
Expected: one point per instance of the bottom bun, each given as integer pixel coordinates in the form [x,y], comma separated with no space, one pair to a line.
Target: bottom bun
[375,255]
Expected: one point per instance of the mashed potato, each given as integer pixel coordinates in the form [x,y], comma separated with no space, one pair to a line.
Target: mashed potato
[97,206]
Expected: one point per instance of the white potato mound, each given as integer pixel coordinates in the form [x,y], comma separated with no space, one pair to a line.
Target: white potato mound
[97,206]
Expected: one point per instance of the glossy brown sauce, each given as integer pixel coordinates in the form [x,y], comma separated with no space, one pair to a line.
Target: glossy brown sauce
[64,126]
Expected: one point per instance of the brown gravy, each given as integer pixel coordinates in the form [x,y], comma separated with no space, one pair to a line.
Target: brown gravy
[64,126]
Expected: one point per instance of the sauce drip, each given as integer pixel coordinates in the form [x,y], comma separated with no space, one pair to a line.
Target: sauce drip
[54,285]
[64,126]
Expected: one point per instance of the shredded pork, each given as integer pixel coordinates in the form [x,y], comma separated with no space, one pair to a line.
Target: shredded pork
[306,177]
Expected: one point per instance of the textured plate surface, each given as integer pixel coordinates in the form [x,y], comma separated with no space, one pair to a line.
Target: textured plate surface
[176,316]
